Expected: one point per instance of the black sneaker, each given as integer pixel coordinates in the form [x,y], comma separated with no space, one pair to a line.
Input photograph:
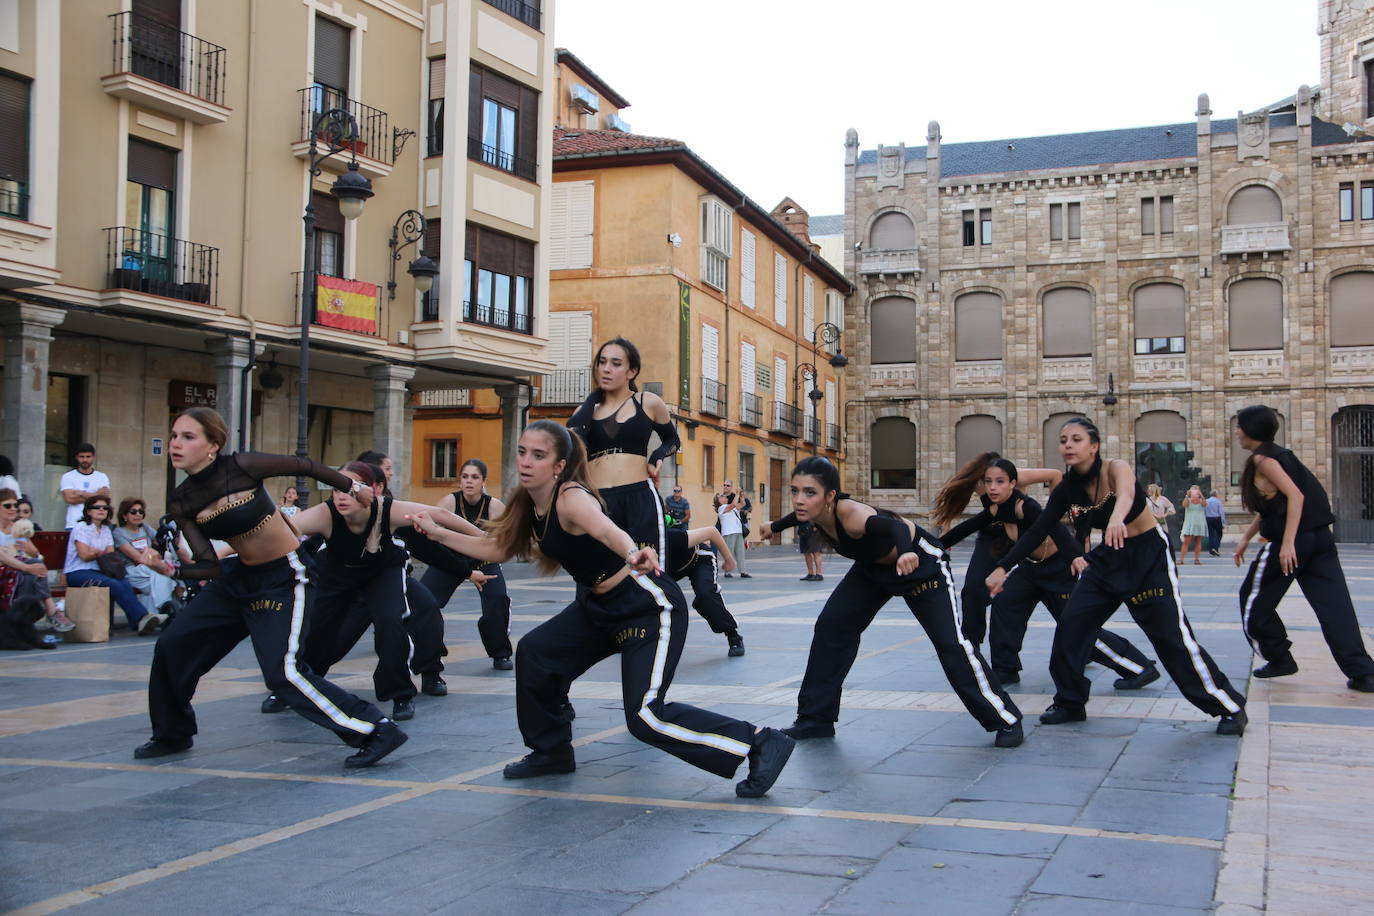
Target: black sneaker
[1279,667]
[273,703]
[402,709]
[385,738]
[433,685]
[818,578]
[744,576]
[503,663]
[1007,678]
[767,756]
[736,643]
[1136,681]
[541,763]
[161,747]
[1364,683]
[803,728]
[1058,715]
[1009,736]
[1233,724]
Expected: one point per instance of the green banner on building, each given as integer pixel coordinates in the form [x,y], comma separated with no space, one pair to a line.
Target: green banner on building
[684,346]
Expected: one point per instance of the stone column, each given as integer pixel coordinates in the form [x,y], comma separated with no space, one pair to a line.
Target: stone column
[514,400]
[390,431]
[27,332]
[231,354]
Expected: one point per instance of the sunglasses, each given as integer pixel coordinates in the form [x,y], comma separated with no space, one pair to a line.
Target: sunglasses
[9,505]
[101,508]
[136,511]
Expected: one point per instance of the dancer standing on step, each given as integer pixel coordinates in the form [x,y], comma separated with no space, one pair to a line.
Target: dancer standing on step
[625,606]
[258,593]
[1042,577]
[1134,565]
[893,558]
[1292,511]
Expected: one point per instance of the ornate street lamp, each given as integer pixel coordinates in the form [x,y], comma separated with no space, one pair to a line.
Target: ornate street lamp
[830,335]
[410,227]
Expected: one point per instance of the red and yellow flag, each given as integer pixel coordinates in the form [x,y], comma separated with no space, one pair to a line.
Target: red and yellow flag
[350,305]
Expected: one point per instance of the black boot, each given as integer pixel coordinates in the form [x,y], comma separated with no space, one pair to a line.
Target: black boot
[767,756]
[542,763]
[735,642]
[273,703]
[1136,681]
[805,728]
[433,685]
[1009,736]
[161,747]
[402,709]
[1278,667]
[1233,724]
[385,738]
[1058,715]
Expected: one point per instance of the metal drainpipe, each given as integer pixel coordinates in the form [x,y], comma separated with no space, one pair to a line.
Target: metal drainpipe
[245,393]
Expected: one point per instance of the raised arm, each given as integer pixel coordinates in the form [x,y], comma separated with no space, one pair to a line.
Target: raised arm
[1029,512]
[1050,477]
[712,536]
[262,465]
[967,527]
[315,520]
[1033,536]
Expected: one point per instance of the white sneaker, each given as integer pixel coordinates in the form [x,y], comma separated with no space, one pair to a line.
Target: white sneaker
[60,623]
[43,623]
[149,623]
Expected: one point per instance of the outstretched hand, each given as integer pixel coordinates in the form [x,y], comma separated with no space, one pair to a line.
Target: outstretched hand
[423,523]
[644,560]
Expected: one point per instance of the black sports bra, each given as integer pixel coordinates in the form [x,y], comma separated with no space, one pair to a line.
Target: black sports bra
[586,559]
[609,436]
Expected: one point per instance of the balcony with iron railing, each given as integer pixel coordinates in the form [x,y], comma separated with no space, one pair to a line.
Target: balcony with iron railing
[565,386]
[713,397]
[528,13]
[787,419]
[750,409]
[813,430]
[162,68]
[14,198]
[506,319]
[501,159]
[160,265]
[832,436]
[372,145]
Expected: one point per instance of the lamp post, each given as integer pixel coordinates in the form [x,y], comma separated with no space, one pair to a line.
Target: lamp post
[829,334]
[352,189]
[805,371]
[410,227]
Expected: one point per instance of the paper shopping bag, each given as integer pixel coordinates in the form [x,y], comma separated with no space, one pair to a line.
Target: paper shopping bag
[89,609]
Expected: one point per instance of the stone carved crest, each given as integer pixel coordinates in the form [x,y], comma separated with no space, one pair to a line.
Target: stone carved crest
[1252,135]
[891,165]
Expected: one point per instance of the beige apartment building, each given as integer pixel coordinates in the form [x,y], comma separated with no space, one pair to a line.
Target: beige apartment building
[154,175]
[1156,279]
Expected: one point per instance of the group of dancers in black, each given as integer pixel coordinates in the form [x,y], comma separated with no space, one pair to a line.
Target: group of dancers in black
[587,502]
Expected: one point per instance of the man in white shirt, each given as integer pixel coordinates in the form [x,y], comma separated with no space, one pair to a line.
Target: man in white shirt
[82,482]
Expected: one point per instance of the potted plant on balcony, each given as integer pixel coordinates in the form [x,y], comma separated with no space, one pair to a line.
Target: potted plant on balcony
[129,273]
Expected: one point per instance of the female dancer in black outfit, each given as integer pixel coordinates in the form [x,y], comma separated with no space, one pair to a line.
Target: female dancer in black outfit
[1042,577]
[258,593]
[475,505]
[689,558]
[616,425]
[893,558]
[992,541]
[625,605]
[1293,512]
[1133,565]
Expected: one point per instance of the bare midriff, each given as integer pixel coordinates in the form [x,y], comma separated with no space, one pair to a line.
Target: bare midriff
[271,540]
[617,469]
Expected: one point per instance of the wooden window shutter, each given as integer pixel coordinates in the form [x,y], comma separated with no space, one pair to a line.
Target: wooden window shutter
[438,67]
[748,373]
[152,165]
[14,139]
[167,12]
[472,241]
[527,125]
[475,103]
[433,236]
[746,267]
[710,352]
[327,215]
[331,54]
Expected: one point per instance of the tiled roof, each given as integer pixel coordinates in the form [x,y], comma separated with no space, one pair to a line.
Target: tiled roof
[1099,147]
[570,141]
[826,225]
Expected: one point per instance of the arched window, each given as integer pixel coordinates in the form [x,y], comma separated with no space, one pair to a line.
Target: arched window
[1256,313]
[892,327]
[1067,322]
[892,231]
[1160,318]
[978,326]
[1052,425]
[1352,309]
[974,435]
[1161,436]
[1254,204]
[893,444]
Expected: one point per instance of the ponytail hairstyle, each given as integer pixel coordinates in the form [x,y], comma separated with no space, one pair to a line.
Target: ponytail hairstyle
[514,530]
[478,463]
[953,497]
[828,476]
[1095,437]
[1261,424]
[1003,464]
[631,357]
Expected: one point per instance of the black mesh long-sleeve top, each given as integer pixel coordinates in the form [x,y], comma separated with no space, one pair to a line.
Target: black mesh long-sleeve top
[228,474]
[1005,514]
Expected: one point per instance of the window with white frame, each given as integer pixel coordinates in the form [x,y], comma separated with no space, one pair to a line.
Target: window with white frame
[715,243]
[834,308]
[572,215]
[747,246]
[780,289]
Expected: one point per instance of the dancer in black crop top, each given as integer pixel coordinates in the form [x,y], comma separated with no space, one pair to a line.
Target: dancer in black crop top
[475,505]
[258,593]
[625,606]
[1134,565]
[1293,512]
[615,424]
[893,558]
[1044,577]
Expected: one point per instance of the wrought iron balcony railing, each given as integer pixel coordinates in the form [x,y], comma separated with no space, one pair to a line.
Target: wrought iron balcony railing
[528,13]
[163,54]
[750,409]
[374,138]
[832,436]
[813,430]
[713,397]
[160,265]
[787,419]
[14,198]
[494,317]
[565,386]
[499,159]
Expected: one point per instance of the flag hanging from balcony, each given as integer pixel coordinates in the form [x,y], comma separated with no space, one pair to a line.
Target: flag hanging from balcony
[350,305]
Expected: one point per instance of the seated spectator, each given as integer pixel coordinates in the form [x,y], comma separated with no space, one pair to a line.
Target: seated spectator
[147,570]
[26,513]
[92,537]
[18,552]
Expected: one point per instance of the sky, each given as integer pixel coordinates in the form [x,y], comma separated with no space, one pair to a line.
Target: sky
[764,90]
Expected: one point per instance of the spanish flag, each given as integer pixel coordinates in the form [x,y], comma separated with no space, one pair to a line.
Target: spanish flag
[350,305]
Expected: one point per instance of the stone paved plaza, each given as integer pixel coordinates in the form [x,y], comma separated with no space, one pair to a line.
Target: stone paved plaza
[908,809]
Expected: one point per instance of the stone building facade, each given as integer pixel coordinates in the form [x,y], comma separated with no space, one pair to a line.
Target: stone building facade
[1154,279]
